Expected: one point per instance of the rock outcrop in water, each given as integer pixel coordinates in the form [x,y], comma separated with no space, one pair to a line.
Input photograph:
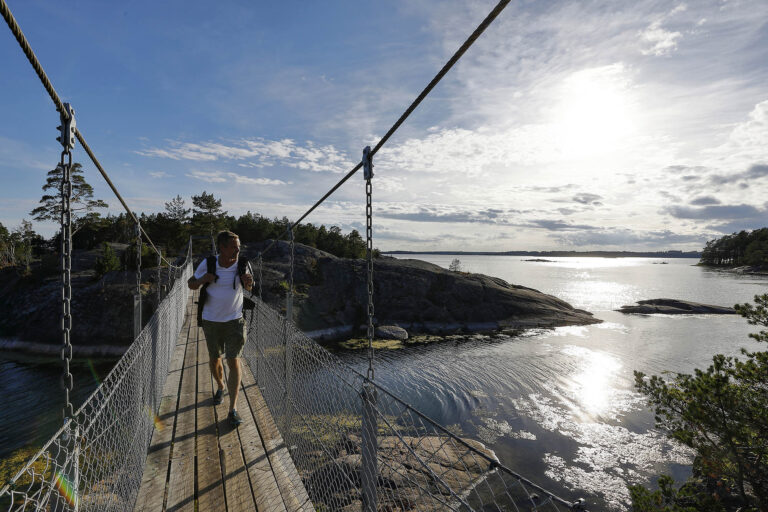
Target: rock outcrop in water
[675,307]
[418,296]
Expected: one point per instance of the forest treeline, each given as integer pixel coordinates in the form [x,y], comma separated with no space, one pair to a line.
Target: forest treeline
[737,249]
[170,230]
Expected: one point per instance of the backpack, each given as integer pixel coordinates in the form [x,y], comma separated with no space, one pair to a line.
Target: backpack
[243,266]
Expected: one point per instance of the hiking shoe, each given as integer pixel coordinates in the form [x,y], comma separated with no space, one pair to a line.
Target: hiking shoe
[234,418]
[217,398]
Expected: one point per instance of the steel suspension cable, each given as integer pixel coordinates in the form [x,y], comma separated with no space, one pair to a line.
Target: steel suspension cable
[439,76]
[19,35]
[33,60]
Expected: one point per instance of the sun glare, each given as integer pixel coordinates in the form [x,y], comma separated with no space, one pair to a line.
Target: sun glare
[596,113]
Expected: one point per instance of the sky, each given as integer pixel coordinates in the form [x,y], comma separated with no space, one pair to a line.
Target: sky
[569,125]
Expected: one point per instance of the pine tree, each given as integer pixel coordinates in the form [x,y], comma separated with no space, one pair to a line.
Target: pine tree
[176,211]
[207,215]
[720,412]
[82,203]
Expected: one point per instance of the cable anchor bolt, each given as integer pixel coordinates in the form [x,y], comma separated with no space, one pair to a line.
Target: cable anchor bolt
[367,163]
[67,128]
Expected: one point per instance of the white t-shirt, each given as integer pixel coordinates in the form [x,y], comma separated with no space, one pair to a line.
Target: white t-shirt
[225,301]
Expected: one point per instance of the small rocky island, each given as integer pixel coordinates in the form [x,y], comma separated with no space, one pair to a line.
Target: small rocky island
[675,307]
[330,301]
[417,296]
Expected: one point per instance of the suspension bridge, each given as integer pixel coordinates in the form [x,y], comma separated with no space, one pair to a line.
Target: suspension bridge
[317,434]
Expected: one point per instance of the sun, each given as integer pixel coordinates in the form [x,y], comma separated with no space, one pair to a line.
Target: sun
[595,112]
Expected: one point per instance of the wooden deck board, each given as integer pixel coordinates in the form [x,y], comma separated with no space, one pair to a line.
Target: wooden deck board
[210,491]
[265,489]
[291,487]
[152,491]
[237,487]
[181,486]
[205,464]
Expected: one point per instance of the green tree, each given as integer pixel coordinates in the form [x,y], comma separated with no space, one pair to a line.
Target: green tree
[175,210]
[82,204]
[721,413]
[107,260]
[5,243]
[22,240]
[207,216]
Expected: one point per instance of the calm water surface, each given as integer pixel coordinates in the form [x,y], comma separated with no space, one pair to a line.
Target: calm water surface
[559,405]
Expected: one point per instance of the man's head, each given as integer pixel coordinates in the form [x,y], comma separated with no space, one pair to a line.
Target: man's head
[228,244]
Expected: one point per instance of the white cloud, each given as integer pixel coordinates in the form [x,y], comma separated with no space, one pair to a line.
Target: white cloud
[658,41]
[258,153]
[222,177]
[748,141]
[160,174]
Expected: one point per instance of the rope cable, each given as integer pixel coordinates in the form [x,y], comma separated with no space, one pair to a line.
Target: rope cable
[447,67]
[35,62]
[439,76]
[19,35]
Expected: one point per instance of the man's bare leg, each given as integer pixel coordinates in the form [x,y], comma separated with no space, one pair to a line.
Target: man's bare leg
[217,370]
[233,381]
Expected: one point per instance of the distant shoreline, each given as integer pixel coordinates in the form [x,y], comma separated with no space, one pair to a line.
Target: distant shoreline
[561,254]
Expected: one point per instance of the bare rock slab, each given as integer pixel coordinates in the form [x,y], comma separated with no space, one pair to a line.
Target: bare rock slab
[391,332]
[675,307]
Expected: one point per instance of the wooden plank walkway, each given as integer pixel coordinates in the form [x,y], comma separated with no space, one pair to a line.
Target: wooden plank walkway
[197,461]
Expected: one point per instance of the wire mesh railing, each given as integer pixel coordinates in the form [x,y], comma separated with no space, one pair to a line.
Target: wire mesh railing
[356,446]
[95,461]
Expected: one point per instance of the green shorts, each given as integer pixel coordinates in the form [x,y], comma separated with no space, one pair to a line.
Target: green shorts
[225,338]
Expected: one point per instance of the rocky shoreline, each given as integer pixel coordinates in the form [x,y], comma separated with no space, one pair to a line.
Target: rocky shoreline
[329,301]
[422,298]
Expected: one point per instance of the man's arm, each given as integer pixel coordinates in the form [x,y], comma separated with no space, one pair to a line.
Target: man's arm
[194,283]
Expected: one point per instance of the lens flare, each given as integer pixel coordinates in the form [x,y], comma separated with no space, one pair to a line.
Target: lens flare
[155,419]
[93,372]
[66,489]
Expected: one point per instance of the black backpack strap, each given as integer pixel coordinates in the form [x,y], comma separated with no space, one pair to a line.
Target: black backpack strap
[243,265]
[210,263]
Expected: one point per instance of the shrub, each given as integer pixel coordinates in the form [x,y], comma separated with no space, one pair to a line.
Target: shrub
[107,261]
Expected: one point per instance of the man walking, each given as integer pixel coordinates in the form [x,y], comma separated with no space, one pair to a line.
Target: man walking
[222,318]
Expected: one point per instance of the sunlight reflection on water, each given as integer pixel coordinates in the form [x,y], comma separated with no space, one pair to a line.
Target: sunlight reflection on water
[592,388]
[559,405]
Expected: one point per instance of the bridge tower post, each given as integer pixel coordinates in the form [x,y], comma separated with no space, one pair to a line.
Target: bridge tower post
[137,295]
[69,453]
[369,440]
[288,345]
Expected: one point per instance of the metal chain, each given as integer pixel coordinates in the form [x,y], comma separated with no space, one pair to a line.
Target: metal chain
[138,273]
[67,382]
[259,264]
[289,297]
[159,285]
[368,169]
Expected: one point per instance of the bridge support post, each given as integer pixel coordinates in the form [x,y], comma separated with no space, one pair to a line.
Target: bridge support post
[159,288]
[136,315]
[369,466]
[288,376]
[137,297]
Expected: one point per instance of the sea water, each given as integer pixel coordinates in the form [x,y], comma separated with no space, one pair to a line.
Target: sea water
[559,405]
